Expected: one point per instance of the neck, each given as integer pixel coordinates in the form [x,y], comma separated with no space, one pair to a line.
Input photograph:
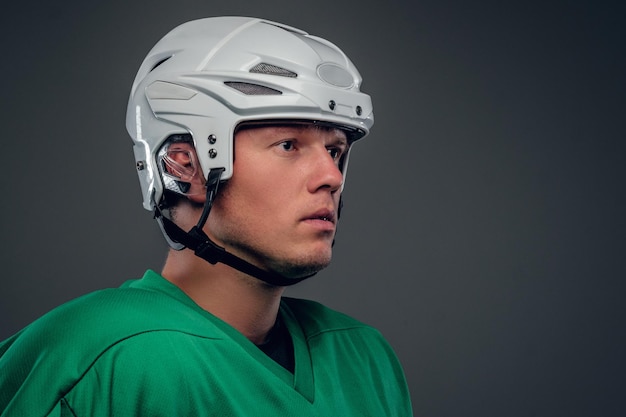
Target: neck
[246,303]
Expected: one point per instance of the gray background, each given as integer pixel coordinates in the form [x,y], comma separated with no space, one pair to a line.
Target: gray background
[483,231]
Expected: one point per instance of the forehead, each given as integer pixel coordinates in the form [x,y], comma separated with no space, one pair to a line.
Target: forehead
[327,132]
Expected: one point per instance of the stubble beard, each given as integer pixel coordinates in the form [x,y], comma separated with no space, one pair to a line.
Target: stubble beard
[294,266]
[237,236]
[301,267]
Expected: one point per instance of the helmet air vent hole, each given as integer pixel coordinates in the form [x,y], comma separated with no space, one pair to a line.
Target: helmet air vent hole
[252,89]
[270,69]
[159,63]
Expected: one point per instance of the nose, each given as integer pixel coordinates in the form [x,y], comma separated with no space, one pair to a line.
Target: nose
[325,173]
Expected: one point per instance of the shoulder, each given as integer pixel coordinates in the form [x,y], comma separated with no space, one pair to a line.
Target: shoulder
[316,318]
[343,348]
[91,323]
[111,314]
[328,330]
[68,340]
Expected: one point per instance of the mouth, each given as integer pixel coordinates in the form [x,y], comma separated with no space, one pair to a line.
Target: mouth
[322,215]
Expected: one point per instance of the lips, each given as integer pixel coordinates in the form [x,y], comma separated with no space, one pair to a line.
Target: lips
[322,214]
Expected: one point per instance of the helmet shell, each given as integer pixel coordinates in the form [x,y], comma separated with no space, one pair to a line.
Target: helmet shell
[207,76]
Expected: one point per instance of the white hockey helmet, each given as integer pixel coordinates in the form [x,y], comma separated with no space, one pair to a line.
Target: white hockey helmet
[207,76]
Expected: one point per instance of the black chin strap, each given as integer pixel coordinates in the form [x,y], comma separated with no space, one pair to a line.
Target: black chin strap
[208,250]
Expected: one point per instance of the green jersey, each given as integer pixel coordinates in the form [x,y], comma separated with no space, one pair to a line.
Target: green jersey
[146,349]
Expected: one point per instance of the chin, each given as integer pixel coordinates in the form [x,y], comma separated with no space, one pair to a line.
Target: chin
[301,267]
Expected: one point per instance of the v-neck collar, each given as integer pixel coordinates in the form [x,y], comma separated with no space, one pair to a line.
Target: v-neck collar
[302,378]
[303,374]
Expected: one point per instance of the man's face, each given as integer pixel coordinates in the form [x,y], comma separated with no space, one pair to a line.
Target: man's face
[279,209]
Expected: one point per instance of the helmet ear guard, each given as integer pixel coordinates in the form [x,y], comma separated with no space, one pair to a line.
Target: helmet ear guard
[209,77]
[180,169]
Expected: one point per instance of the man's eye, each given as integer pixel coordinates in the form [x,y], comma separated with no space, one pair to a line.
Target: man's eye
[287,145]
[334,153]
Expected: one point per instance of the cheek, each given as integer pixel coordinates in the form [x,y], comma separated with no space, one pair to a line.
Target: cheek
[257,184]
[248,189]
[243,200]
[262,190]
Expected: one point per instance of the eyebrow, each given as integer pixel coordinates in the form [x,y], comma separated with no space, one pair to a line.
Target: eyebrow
[339,140]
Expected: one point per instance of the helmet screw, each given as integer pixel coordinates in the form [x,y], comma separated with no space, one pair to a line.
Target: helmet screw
[359,110]
[141,165]
[332,104]
[212,153]
[212,139]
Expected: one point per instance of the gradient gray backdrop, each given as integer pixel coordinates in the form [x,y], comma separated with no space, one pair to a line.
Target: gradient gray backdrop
[483,231]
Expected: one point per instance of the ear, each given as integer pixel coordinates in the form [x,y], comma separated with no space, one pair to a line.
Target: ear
[181,163]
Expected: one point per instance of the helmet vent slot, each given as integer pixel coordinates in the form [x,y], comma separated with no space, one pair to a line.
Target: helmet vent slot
[159,63]
[252,89]
[270,69]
